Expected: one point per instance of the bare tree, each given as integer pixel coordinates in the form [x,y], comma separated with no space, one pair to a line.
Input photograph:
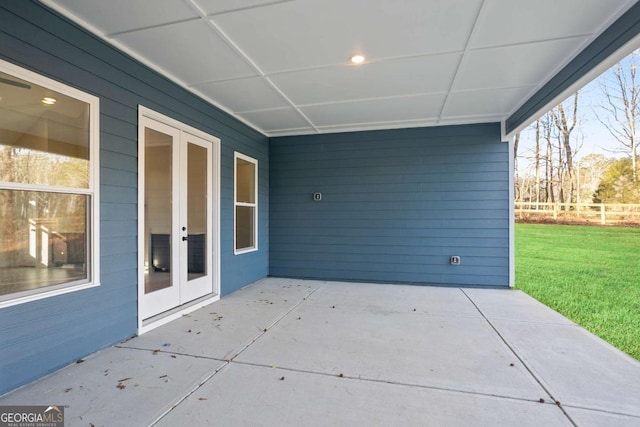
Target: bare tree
[565,126]
[536,154]
[547,135]
[516,142]
[621,106]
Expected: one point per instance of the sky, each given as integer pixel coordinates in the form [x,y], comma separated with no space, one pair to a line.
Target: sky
[590,134]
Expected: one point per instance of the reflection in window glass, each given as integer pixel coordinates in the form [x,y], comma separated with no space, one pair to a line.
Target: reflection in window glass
[43,239]
[44,135]
[246,169]
[158,209]
[246,176]
[197,210]
[244,227]
[47,186]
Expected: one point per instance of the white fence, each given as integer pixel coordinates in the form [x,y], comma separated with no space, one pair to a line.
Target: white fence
[600,212]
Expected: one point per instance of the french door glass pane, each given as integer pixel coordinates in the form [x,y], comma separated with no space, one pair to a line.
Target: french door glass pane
[196,210]
[43,239]
[158,209]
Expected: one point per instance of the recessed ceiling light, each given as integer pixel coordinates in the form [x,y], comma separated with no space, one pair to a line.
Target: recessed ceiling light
[48,101]
[357,59]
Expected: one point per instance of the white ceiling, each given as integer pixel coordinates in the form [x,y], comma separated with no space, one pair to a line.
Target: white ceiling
[283,66]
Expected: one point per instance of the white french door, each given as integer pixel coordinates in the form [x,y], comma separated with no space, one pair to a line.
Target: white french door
[176,224]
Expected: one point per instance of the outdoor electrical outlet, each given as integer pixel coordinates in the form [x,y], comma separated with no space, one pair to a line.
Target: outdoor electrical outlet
[455,260]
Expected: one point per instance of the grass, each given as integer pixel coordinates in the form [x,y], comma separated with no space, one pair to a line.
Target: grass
[589,274]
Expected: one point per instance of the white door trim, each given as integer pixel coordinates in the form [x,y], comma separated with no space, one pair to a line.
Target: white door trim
[215,210]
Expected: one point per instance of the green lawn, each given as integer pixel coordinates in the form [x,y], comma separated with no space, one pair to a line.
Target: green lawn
[589,274]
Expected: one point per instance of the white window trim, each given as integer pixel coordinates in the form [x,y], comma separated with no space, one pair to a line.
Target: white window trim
[93,257]
[254,205]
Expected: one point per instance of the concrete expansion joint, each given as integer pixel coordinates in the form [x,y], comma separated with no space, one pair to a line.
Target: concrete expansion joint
[522,361]
[604,411]
[398,383]
[228,362]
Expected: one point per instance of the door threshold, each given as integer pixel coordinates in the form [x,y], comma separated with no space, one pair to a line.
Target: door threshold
[151,323]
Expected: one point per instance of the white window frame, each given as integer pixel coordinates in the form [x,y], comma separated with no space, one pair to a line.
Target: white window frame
[254,205]
[93,246]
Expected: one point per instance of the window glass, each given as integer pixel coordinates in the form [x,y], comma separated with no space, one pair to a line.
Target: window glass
[46,187]
[246,176]
[44,135]
[244,227]
[245,203]
[43,237]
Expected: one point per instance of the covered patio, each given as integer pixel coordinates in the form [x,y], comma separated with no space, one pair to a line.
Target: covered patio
[299,352]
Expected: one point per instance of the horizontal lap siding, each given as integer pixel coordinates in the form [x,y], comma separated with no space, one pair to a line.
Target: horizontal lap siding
[395,206]
[39,337]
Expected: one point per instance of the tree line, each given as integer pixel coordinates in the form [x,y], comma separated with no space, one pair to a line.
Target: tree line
[554,176]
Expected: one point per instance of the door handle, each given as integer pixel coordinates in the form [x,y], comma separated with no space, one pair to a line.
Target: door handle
[185,238]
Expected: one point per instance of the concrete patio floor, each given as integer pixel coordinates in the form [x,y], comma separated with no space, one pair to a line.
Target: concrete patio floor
[286,352]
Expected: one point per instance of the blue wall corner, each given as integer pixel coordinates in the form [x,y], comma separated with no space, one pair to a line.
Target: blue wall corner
[395,206]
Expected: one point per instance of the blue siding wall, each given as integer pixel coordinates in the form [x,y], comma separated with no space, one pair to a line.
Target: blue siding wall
[39,337]
[395,206]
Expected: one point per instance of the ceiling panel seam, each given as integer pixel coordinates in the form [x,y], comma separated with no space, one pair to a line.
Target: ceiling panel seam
[144,61]
[353,100]
[150,27]
[461,61]
[484,89]
[220,33]
[368,62]
[531,42]
[255,6]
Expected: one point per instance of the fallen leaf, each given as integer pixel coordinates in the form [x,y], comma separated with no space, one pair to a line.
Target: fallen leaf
[121,386]
[68,390]
[163,376]
[174,356]
[124,379]
[541,400]
[189,331]
[202,398]
[156,351]
[341,375]
[80,361]
[281,378]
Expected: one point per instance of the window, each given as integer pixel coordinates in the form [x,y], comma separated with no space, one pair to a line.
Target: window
[246,202]
[48,187]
